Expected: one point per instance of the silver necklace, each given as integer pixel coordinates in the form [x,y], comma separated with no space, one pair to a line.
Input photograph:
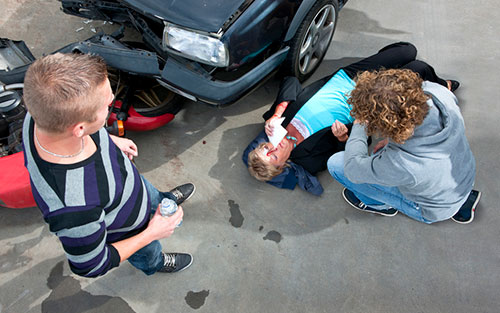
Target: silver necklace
[55,154]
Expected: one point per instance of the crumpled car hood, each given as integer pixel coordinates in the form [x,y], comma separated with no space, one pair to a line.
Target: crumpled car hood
[204,15]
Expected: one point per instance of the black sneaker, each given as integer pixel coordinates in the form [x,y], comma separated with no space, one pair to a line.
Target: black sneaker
[466,213]
[183,192]
[175,262]
[358,204]
[454,85]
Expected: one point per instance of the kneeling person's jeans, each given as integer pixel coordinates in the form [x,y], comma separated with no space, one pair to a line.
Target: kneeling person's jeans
[376,196]
[149,259]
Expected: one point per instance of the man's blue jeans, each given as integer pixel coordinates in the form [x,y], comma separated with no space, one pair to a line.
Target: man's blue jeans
[376,196]
[149,259]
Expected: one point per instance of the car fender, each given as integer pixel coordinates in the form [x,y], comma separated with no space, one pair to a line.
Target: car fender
[304,8]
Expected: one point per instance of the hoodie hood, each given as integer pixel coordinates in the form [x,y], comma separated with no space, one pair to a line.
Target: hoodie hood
[203,15]
[436,134]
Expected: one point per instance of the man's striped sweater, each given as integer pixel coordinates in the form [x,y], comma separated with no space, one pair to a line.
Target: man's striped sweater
[89,204]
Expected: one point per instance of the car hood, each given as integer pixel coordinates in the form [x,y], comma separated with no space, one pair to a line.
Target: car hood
[204,15]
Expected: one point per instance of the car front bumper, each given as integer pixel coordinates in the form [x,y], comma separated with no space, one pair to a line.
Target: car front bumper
[175,75]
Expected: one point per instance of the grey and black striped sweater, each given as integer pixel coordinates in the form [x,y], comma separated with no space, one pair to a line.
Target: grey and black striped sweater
[89,204]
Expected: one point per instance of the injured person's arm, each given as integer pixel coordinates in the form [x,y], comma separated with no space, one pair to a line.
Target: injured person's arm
[278,112]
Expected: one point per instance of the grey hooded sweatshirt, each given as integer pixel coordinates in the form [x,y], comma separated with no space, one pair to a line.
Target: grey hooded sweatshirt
[434,168]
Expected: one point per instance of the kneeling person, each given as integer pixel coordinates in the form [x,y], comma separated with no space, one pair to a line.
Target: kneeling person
[424,168]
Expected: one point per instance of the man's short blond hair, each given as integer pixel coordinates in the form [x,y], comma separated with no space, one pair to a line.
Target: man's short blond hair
[59,90]
[260,169]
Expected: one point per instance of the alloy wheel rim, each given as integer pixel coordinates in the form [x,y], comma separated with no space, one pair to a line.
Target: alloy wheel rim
[316,40]
[144,100]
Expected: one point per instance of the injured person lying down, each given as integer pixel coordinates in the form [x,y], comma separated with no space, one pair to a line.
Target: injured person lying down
[317,120]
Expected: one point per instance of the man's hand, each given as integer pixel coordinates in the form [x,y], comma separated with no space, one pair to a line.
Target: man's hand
[159,227]
[340,131]
[126,145]
[163,226]
[380,145]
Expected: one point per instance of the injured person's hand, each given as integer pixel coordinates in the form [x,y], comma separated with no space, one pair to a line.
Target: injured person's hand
[340,131]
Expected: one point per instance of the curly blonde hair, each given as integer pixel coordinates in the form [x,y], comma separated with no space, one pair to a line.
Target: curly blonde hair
[260,169]
[390,103]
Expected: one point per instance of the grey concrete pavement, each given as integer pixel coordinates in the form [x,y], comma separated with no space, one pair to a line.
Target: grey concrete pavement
[293,252]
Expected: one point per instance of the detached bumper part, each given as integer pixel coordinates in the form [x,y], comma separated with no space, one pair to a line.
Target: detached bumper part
[118,55]
[15,57]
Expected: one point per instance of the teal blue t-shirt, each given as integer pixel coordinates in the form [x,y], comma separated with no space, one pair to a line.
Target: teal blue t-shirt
[328,104]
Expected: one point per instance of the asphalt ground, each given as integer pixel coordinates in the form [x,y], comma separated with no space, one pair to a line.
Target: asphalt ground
[261,249]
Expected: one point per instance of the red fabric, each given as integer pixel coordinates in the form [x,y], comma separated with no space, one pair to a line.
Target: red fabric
[15,188]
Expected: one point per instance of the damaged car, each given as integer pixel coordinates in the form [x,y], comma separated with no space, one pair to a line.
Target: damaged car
[211,51]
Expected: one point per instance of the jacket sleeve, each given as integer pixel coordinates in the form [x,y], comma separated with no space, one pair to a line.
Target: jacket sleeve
[86,248]
[380,168]
[289,90]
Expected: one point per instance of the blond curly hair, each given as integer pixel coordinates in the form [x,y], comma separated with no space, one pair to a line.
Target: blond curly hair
[261,169]
[390,103]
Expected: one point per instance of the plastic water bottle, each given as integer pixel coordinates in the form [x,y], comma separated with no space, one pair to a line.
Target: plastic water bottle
[168,207]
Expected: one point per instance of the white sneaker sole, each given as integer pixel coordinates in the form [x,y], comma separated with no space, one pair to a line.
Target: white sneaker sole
[366,211]
[471,213]
[192,193]
[192,259]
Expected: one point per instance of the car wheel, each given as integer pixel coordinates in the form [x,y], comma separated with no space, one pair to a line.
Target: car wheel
[156,100]
[309,45]
[149,98]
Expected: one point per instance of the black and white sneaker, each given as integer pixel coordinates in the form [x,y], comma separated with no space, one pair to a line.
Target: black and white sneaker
[175,262]
[358,204]
[183,192]
[466,213]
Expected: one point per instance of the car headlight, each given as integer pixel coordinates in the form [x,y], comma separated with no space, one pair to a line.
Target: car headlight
[195,46]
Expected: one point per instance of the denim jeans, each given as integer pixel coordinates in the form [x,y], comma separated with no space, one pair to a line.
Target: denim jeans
[149,259]
[376,196]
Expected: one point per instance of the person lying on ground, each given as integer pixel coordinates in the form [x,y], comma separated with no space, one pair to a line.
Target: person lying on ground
[318,120]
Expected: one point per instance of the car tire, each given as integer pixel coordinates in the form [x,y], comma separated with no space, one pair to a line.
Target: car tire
[150,99]
[169,102]
[312,39]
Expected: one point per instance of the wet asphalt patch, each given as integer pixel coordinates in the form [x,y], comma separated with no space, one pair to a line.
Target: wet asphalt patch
[274,236]
[67,296]
[236,218]
[196,299]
